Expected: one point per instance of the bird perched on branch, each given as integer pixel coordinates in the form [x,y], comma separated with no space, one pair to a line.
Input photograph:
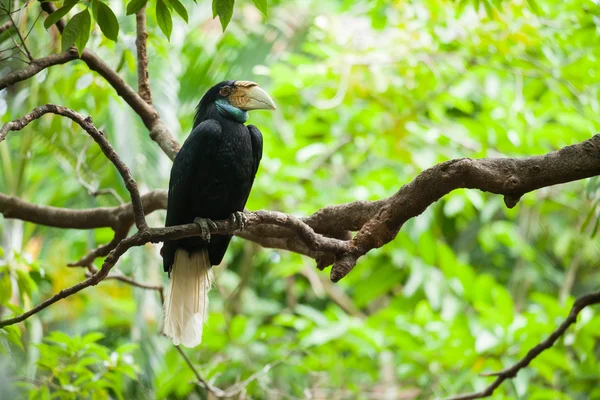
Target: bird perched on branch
[211,178]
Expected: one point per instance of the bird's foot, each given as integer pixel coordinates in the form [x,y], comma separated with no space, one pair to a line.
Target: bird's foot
[205,226]
[238,220]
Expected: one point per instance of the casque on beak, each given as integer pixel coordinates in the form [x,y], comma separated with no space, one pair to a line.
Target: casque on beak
[248,96]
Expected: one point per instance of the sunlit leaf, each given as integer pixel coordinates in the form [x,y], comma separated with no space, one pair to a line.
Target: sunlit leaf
[262,5]
[59,13]
[135,5]
[163,15]
[179,9]
[75,30]
[224,10]
[106,19]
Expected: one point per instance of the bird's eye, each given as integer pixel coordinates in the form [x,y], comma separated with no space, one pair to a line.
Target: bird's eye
[225,90]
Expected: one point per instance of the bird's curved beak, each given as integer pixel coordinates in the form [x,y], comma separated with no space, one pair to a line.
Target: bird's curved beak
[251,97]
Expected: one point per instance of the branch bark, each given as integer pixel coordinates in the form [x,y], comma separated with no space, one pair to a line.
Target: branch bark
[142,56]
[37,66]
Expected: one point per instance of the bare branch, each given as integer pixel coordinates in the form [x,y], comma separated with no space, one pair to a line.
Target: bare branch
[23,45]
[511,177]
[92,218]
[219,393]
[142,56]
[511,372]
[125,279]
[36,66]
[88,126]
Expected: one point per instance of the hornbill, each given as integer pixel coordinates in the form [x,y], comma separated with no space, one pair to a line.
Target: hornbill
[210,179]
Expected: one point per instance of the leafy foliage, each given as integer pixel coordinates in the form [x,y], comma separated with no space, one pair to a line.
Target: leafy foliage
[79,367]
[369,93]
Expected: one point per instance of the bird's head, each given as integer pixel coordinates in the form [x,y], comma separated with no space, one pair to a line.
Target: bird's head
[233,99]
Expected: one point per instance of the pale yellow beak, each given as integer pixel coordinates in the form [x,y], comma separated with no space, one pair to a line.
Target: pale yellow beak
[251,97]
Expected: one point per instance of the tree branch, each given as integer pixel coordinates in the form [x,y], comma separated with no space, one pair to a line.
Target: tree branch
[142,56]
[511,372]
[511,177]
[158,130]
[92,218]
[88,126]
[324,235]
[36,66]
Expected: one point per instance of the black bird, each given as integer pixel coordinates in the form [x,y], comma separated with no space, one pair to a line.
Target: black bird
[211,178]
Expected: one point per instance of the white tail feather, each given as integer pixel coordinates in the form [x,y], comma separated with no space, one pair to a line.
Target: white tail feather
[186,307]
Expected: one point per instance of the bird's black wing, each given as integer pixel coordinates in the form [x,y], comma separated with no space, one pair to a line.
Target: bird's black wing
[257,145]
[186,171]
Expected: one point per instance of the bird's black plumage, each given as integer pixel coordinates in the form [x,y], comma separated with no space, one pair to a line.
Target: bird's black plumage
[212,174]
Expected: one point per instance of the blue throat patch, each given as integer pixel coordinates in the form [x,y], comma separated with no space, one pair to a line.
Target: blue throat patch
[230,111]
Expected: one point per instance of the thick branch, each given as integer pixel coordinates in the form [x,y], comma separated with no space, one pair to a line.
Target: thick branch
[88,126]
[511,372]
[142,56]
[511,177]
[92,218]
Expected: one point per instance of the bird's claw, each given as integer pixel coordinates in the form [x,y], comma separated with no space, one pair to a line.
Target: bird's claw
[205,226]
[238,220]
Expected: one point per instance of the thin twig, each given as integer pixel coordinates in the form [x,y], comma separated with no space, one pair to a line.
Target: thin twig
[511,372]
[98,136]
[24,49]
[201,381]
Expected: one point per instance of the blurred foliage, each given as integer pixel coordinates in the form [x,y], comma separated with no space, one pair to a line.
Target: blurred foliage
[369,94]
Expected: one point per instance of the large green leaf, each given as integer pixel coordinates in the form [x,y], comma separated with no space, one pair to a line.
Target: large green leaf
[262,5]
[59,13]
[163,15]
[106,20]
[179,9]
[84,33]
[77,31]
[135,5]
[224,10]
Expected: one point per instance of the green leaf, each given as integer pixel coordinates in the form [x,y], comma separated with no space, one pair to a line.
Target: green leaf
[262,6]
[179,8]
[135,5]
[5,287]
[58,14]
[92,337]
[13,334]
[163,15]
[84,33]
[106,20]
[74,28]
[223,9]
